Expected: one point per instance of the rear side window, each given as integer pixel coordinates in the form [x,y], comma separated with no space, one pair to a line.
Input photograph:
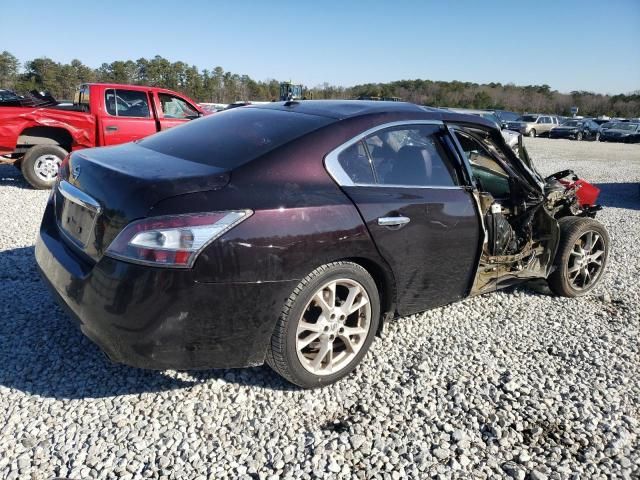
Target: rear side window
[127,103]
[81,98]
[355,162]
[231,138]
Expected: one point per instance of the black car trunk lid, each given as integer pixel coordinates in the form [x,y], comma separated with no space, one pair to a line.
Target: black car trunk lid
[102,190]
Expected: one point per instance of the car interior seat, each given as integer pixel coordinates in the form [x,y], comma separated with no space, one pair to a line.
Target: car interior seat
[412,167]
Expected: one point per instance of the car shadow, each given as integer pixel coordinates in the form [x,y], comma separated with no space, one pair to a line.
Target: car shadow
[43,353]
[619,195]
[11,176]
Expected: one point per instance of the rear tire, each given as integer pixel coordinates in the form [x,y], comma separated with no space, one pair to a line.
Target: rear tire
[318,338]
[532,132]
[581,258]
[579,136]
[40,165]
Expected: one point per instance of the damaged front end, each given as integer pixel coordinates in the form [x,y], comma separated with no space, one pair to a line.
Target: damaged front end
[566,194]
[521,230]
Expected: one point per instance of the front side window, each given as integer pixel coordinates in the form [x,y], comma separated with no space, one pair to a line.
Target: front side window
[487,172]
[127,103]
[411,156]
[174,107]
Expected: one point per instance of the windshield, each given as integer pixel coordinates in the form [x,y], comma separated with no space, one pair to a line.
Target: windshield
[506,116]
[624,126]
[6,95]
[528,118]
[490,116]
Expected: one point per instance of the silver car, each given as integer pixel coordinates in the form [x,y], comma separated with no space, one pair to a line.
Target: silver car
[534,125]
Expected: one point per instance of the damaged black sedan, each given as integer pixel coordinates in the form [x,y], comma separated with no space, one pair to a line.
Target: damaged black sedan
[289,232]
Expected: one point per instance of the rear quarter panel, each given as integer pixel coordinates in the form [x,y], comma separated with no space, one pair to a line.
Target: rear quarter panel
[301,218]
[14,120]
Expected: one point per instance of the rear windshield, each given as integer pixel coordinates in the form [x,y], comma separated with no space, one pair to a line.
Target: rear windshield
[231,138]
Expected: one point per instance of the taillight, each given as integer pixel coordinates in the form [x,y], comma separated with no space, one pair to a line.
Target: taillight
[172,241]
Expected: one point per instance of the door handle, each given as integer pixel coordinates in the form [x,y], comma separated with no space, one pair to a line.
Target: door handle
[393,221]
[111,128]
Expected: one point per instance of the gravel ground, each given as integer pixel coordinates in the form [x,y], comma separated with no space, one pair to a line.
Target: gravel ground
[517,384]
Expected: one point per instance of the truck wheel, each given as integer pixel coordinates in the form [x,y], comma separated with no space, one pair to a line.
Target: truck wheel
[40,165]
[581,257]
[326,325]
[532,132]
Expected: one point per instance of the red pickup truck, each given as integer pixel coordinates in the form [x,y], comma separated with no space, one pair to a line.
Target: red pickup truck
[36,139]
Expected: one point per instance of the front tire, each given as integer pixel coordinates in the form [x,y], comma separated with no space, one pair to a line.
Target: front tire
[40,165]
[581,257]
[532,132]
[327,325]
[579,136]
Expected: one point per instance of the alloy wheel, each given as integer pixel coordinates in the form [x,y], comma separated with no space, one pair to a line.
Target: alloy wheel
[585,260]
[333,327]
[46,167]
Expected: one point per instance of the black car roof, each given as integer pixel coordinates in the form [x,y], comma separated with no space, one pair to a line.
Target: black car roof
[342,109]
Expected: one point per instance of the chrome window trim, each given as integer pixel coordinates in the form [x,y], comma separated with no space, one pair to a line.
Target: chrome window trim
[341,177]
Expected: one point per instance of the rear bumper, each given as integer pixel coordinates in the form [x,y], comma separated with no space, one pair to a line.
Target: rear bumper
[160,318]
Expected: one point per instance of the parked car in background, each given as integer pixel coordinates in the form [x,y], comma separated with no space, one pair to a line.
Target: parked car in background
[585,129]
[37,139]
[289,232]
[489,115]
[504,116]
[213,107]
[510,137]
[534,125]
[624,132]
[8,96]
[608,124]
[600,121]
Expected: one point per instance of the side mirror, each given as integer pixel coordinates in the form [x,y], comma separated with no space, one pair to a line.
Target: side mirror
[193,117]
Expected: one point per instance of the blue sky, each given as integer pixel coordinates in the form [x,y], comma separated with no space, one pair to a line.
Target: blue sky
[571,45]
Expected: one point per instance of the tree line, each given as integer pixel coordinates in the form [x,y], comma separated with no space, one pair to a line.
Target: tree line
[219,86]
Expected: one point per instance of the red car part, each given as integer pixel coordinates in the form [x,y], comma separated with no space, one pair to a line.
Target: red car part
[587,193]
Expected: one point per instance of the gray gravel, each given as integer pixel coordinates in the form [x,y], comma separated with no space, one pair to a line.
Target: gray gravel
[517,384]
